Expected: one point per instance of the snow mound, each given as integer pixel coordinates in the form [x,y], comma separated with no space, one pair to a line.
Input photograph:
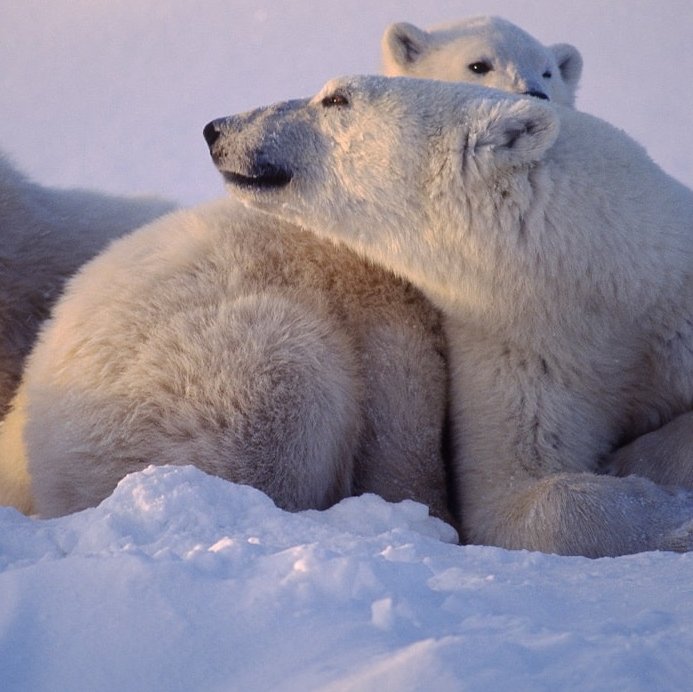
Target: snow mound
[183,581]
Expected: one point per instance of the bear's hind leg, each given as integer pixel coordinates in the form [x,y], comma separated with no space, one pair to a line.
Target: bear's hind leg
[262,389]
[297,415]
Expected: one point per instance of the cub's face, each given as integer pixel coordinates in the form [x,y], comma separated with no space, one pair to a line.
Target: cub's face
[487,51]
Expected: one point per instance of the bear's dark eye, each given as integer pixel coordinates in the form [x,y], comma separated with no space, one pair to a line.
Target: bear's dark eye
[547,74]
[481,67]
[336,99]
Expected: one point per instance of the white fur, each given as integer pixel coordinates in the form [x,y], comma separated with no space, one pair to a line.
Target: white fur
[252,349]
[562,257]
[487,51]
[45,236]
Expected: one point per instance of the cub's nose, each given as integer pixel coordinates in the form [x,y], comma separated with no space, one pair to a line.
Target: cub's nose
[211,133]
[537,94]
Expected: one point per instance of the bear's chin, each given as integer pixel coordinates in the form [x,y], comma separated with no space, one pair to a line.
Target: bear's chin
[270,177]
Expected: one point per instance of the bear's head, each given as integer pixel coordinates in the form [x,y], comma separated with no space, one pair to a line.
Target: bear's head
[398,168]
[487,51]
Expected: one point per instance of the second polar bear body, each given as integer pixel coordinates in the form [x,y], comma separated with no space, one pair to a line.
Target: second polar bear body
[46,234]
[223,338]
[561,257]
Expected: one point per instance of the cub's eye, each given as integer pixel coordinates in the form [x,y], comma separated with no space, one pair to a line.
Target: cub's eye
[547,74]
[336,99]
[481,67]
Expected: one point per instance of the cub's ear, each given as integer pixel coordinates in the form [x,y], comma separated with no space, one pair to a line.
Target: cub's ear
[569,62]
[514,131]
[402,45]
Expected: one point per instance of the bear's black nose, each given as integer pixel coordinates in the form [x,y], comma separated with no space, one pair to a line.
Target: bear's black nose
[537,94]
[211,133]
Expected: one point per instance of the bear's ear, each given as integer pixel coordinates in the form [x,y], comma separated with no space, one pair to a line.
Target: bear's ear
[402,45]
[569,63]
[514,132]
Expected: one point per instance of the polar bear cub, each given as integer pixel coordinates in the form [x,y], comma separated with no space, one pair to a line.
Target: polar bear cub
[224,338]
[562,257]
[46,234]
[487,51]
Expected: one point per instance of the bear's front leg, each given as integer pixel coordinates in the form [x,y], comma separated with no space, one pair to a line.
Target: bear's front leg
[594,516]
[526,464]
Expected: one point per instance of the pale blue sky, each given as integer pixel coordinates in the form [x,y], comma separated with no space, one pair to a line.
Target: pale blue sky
[115,95]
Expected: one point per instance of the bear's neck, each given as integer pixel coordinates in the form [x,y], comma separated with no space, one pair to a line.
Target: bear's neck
[516,265]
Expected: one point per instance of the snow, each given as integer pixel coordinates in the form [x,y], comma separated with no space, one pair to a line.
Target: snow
[181,581]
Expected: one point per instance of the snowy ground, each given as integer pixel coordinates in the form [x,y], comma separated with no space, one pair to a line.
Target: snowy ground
[180,581]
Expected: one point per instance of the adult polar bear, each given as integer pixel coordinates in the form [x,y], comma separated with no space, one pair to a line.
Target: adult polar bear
[46,234]
[488,51]
[562,259]
[398,455]
[492,52]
